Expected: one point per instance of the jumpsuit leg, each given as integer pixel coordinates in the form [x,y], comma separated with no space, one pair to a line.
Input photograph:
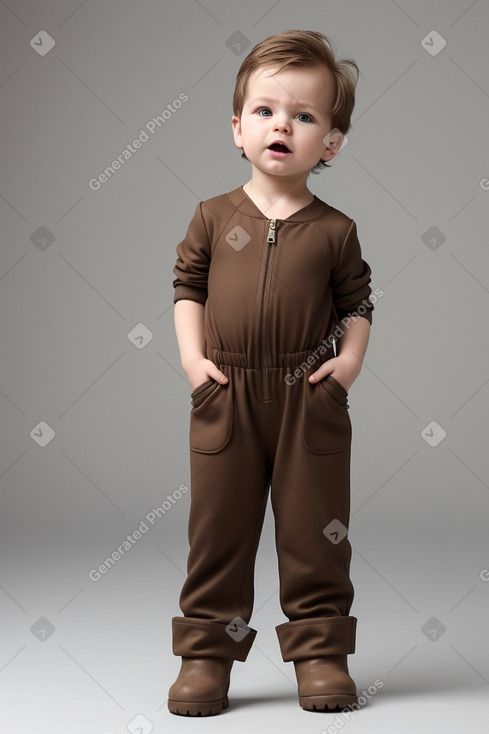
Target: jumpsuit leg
[310,495]
[302,434]
[230,480]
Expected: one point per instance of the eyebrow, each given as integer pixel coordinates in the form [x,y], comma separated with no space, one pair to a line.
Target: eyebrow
[267,100]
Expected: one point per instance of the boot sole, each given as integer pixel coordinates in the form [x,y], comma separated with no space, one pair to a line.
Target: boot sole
[328,702]
[192,708]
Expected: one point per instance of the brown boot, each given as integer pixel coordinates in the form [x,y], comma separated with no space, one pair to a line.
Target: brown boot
[324,683]
[201,687]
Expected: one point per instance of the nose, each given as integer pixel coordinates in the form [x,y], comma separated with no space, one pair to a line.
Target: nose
[282,123]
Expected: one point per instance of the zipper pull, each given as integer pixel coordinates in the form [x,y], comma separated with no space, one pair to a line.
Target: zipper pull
[271,232]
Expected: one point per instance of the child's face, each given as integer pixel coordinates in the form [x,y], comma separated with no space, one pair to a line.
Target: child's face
[293,106]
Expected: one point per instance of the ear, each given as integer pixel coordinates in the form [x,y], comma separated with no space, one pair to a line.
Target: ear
[334,141]
[236,124]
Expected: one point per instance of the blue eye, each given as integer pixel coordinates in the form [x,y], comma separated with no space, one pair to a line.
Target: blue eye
[300,115]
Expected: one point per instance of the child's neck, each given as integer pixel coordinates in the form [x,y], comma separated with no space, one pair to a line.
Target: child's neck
[275,196]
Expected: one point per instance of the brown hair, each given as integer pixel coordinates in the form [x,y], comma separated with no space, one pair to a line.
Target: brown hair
[302,48]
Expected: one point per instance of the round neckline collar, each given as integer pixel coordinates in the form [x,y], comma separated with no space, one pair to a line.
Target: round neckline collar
[247,206]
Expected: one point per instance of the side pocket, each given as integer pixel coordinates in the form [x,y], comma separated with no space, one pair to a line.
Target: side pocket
[211,417]
[326,425]
[335,390]
[198,394]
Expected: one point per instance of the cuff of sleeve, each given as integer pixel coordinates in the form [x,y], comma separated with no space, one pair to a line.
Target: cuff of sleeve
[190,294]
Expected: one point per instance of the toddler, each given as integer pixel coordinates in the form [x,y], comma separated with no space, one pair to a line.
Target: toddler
[272,317]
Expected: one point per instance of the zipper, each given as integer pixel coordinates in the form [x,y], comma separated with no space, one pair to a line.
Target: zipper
[271,241]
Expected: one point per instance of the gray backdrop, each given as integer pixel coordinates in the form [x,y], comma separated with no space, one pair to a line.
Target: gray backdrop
[95,405]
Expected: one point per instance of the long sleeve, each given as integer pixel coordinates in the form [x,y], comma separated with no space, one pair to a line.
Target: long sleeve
[350,279]
[192,266]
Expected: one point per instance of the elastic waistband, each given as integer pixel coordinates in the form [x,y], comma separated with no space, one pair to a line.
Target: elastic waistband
[319,354]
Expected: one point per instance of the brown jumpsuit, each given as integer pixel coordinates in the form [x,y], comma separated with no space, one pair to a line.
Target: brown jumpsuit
[274,291]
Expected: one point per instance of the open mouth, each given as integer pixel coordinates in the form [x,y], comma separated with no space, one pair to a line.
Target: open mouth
[279,148]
